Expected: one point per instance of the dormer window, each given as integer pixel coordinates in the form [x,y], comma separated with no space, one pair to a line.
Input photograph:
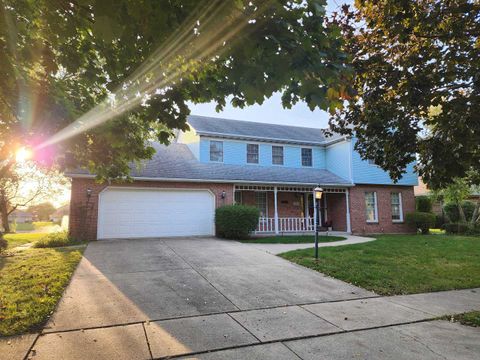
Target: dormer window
[277,155]
[252,153]
[216,151]
[306,157]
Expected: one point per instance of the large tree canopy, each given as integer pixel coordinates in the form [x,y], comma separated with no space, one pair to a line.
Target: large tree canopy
[139,62]
[417,85]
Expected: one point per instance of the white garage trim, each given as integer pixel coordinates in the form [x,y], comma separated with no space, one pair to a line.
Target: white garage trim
[207,211]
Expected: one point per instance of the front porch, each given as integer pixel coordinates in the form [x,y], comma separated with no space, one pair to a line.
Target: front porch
[288,209]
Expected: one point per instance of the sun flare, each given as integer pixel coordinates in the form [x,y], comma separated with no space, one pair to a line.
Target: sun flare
[23,154]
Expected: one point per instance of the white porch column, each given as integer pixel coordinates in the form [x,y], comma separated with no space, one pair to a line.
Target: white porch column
[275,202]
[349,226]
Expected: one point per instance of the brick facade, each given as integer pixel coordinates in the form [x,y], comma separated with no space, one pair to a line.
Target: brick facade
[84,212]
[384,224]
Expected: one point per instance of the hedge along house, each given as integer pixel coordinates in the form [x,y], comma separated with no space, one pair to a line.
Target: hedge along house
[220,162]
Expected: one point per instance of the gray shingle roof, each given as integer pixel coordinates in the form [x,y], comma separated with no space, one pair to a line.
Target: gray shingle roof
[176,161]
[261,131]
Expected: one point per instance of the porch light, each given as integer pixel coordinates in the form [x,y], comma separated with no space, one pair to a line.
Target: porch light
[89,193]
[223,194]
[318,192]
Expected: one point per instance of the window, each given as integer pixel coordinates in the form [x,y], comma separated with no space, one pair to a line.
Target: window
[277,155]
[397,212]
[252,153]
[238,198]
[371,206]
[216,151]
[261,202]
[306,157]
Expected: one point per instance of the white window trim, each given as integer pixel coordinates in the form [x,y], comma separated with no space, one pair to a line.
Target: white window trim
[266,203]
[283,155]
[246,154]
[400,200]
[210,151]
[301,157]
[375,220]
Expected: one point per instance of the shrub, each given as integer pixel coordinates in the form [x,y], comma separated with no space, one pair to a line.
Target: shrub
[456,228]
[451,209]
[56,239]
[439,221]
[236,221]
[422,220]
[423,203]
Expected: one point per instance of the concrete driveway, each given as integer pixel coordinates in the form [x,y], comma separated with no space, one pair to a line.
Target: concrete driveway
[125,281]
[213,299]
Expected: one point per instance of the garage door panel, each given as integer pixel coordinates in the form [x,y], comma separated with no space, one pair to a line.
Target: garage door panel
[127,213]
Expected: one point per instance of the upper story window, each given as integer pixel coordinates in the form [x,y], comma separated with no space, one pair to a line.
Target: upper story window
[277,155]
[371,206]
[216,151]
[397,211]
[306,157]
[252,153]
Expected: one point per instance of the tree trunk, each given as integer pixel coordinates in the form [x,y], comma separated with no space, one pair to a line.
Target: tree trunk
[461,213]
[4,213]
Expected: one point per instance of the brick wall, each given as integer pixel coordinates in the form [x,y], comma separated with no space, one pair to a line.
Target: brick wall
[84,212]
[384,224]
[337,211]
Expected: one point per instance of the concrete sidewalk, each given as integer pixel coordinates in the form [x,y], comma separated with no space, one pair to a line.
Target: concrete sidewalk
[396,327]
[281,248]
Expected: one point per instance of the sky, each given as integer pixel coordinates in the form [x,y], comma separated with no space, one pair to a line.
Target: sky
[271,111]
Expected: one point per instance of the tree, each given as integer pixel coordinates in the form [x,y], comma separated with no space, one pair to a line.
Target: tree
[459,191]
[26,184]
[137,63]
[417,86]
[42,210]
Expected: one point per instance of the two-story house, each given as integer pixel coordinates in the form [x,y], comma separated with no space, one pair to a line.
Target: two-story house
[219,162]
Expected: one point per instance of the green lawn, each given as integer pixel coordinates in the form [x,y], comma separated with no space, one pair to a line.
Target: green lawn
[400,264]
[470,318]
[296,239]
[20,239]
[31,283]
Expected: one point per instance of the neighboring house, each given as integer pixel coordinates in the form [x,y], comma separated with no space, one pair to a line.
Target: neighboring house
[220,162]
[20,217]
[437,206]
[62,211]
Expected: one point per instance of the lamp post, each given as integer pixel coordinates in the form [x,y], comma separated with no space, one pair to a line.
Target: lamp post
[318,196]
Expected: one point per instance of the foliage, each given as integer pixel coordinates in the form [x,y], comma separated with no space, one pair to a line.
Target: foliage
[56,239]
[423,203]
[422,220]
[31,283]
[456,228]
[25,184]
[451,210]
[417,86]
[140,63]
[470,319]
[236,221]
[42,210]
[14,227]
[15,240]
[292,239]
[400,264]
[439,221]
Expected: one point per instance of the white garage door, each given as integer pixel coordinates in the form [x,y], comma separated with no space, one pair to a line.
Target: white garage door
[136,213]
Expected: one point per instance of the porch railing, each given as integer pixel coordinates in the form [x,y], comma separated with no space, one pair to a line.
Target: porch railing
[285,225]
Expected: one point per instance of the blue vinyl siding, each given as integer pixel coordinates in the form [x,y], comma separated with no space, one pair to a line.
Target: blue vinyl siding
[365,173]
[338,159]
[235,153]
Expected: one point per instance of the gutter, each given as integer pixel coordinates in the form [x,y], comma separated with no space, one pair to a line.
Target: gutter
[136,178]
